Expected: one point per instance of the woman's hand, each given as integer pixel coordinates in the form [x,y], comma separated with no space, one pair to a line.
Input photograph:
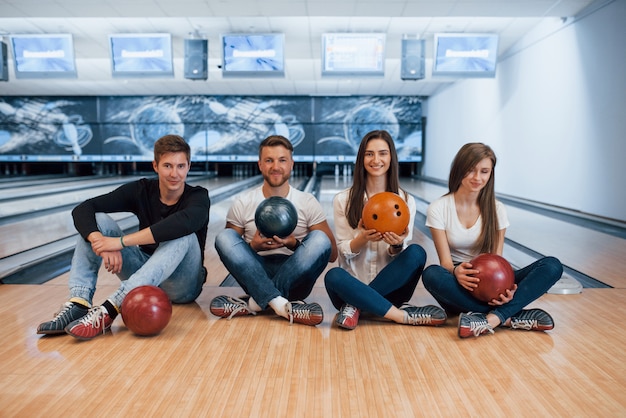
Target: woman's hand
[463,273]
[363,237]
[392,238]
[504,298]
[368,234]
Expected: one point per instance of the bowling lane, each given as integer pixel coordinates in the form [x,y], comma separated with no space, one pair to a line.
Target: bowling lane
[55,225]
[22,200]
[596,254]
[28,205]
[11,181]
[39,237]
[21,189]
[329,187]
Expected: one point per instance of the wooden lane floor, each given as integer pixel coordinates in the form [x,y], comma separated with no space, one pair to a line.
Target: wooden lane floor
[261,366]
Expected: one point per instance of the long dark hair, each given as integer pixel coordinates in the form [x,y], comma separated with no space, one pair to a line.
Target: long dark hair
[354,209]
[465,160]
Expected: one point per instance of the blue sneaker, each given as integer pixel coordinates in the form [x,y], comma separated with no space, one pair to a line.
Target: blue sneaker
[229,307]
[473,323]
[70,312]
[532,320]
[424,315]
[305,313]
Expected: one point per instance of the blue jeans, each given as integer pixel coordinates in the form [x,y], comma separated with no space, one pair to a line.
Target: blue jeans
[532,281]
[175,267]
[270,276]
[393,285]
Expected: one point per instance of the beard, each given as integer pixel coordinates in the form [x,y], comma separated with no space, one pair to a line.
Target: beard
[275,182]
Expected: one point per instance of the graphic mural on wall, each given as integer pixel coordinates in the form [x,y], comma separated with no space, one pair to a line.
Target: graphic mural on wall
[215,127]
[341,123]
[39,126]
[218,128]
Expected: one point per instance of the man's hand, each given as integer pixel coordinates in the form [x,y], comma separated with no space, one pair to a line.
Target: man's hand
[112,261]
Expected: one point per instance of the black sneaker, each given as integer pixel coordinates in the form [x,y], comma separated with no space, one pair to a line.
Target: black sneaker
[69,312]
[532,320]
[305,313]
[424,315]
[229,306]
[473,323]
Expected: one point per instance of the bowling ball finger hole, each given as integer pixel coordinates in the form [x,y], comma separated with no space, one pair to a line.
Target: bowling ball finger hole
[375,216]
[398,213]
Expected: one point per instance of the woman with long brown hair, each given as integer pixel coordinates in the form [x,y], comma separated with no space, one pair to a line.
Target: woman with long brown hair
[377,271]
[465,222]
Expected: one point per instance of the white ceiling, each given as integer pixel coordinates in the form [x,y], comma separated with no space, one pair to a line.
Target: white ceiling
[302,21]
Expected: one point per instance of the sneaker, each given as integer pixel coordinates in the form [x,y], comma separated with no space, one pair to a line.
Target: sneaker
[532,320]
[96,322]
[425,315]
[348,317]
[304,313]
[69,312]
[229,306]
[475,324]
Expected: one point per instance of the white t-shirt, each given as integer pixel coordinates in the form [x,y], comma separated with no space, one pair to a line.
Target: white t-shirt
[442,215]
[241,214]
[372,258]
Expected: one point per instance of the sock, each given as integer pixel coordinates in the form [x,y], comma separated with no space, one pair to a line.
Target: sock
[406,317]
[253,305]
[111,309]
[82,303]
[279,305]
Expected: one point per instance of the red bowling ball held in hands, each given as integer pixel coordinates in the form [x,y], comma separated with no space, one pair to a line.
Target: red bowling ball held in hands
[146,310]
[496,276]
[386,212]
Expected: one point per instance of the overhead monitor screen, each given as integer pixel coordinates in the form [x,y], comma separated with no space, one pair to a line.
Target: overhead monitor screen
[353,54]
[465,55]
[253,55]
[141,55]
[43,56]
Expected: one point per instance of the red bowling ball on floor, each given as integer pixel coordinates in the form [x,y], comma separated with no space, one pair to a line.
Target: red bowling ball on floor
[496,276]
[146,310]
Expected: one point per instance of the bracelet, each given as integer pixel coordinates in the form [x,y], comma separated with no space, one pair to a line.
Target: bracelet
[397,246]
[298,243]
[122,241]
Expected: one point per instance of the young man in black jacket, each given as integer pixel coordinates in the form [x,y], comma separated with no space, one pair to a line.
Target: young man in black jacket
[167,250]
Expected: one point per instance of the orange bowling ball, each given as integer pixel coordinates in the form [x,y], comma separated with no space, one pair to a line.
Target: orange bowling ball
[386,212]
[496,276]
